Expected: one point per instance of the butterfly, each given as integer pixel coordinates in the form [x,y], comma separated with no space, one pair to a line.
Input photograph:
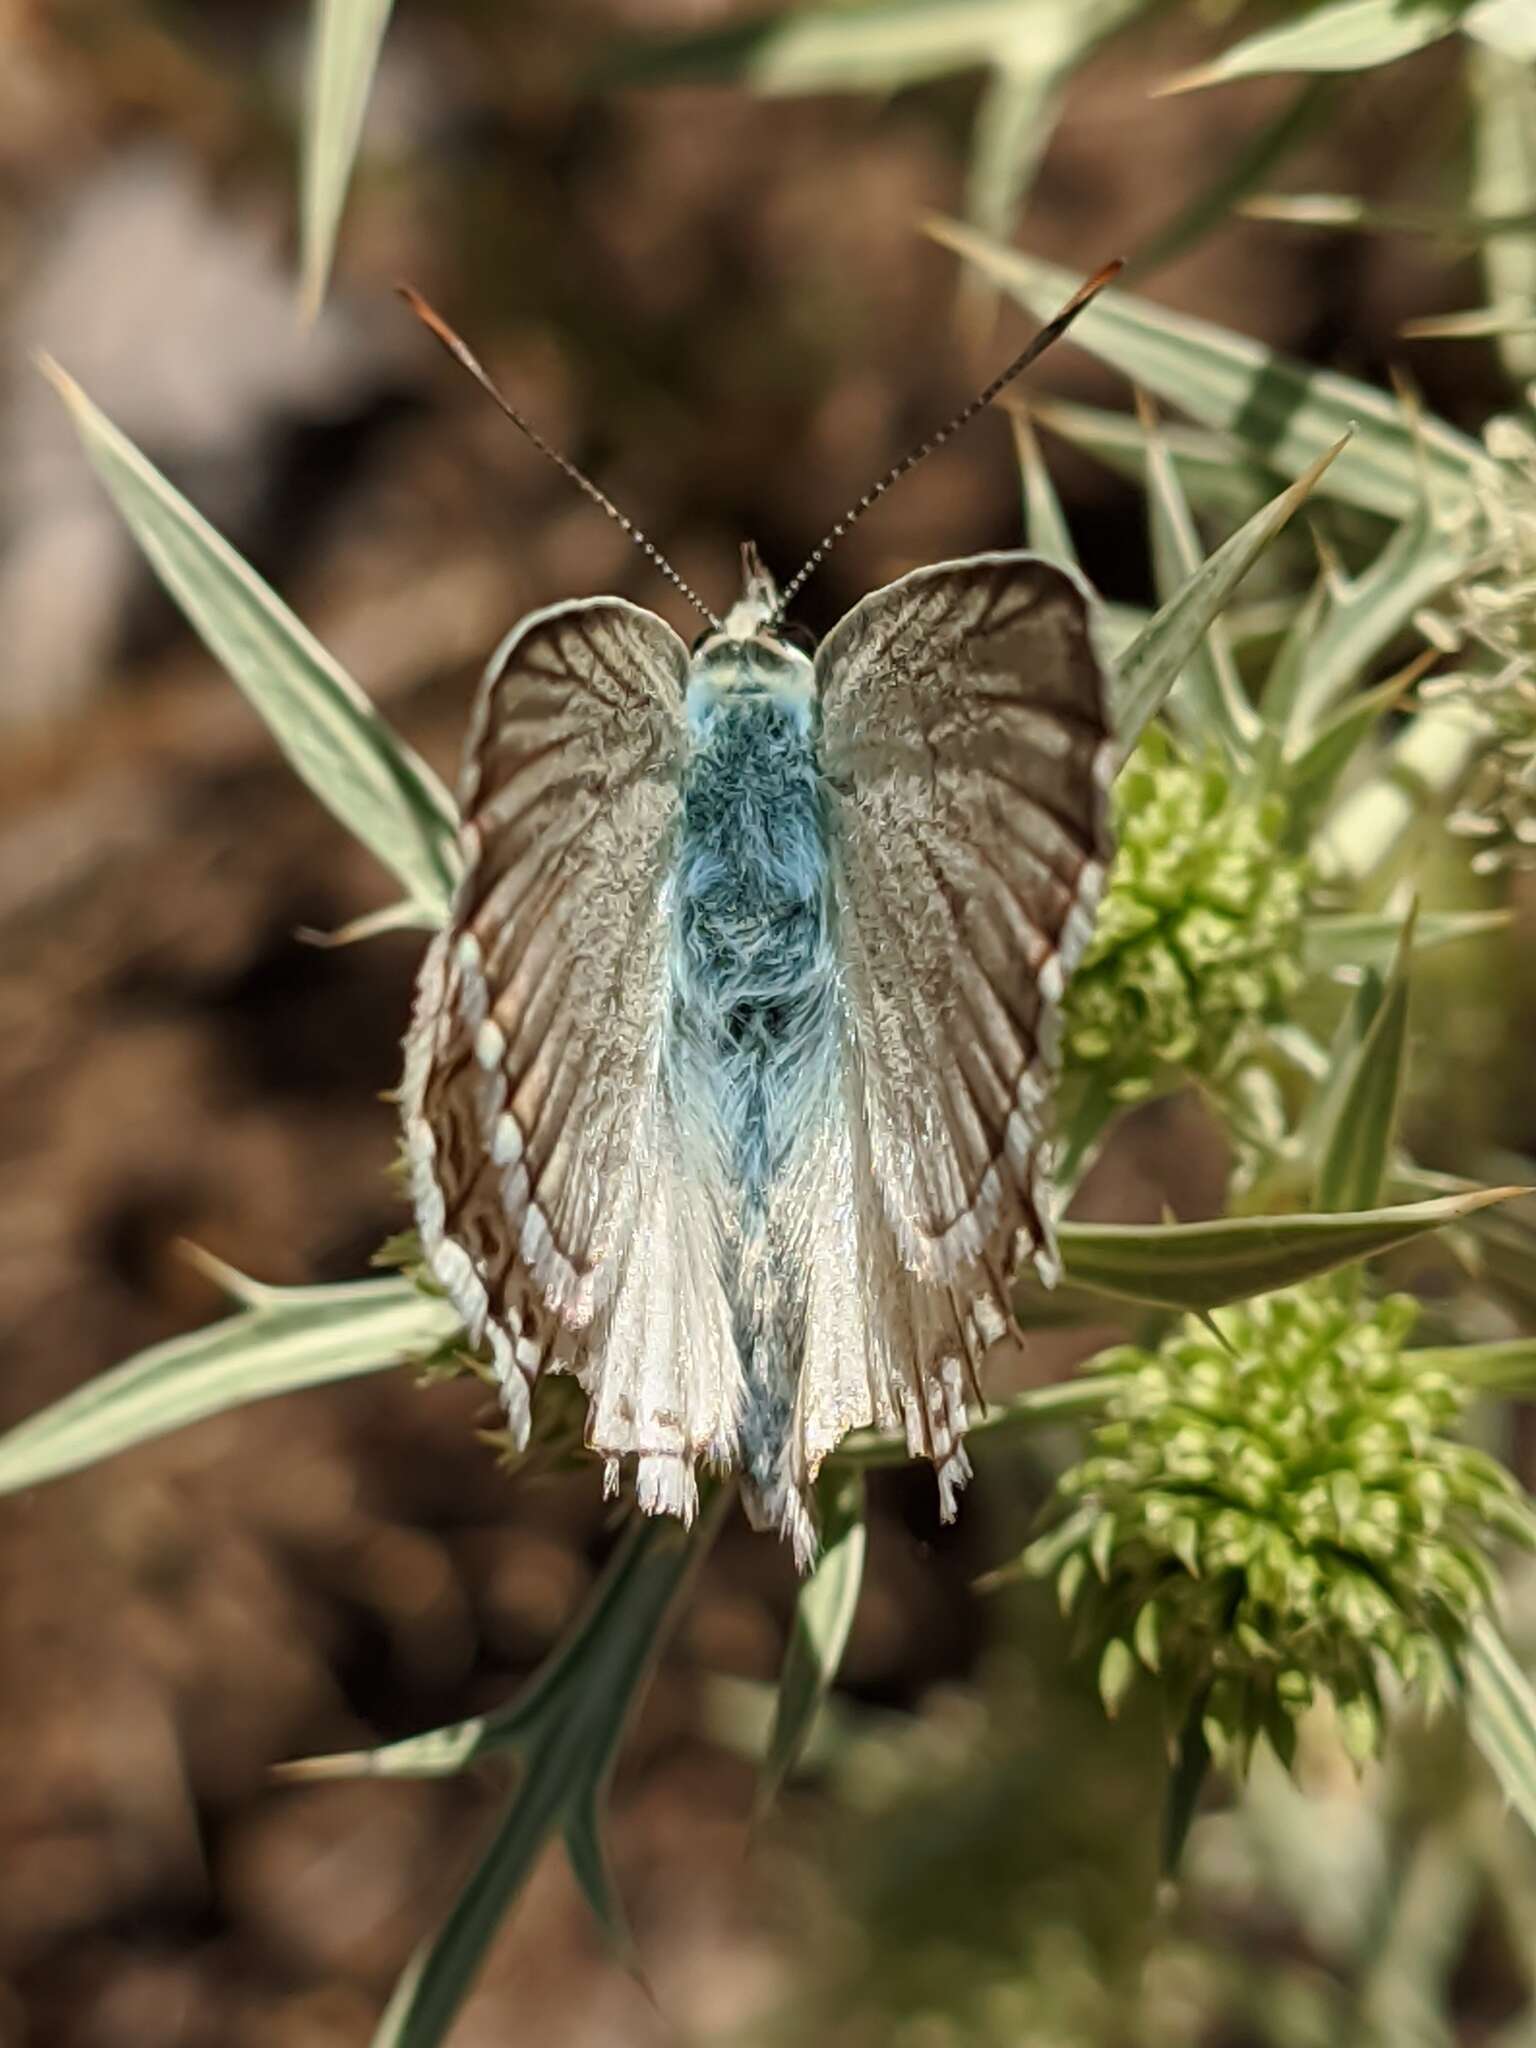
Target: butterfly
[728,1079]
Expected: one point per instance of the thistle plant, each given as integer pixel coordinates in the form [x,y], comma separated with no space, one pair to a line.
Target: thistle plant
[1276,1507]
[1273,1498]
[1247,1617]
[1487,624]
[1199,937]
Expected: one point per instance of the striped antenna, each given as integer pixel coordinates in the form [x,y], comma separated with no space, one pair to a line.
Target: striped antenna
[464,356]
[1051,331]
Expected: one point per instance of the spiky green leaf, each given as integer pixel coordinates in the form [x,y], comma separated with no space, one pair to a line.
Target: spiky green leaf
[1152,664]
[1504,1366]
[1502,1705]
[282,1339]
[1045,524]
[1352,939]
[1349,35]
[1367,829]
[1503,92]
[1206,1265]
[1345,210]
[1284,411]
[1207,698]
[1359,621]
[564,1734]
[818,1635]
[345,36]
[871,46]
[332,736]
[1356,1149]
[1219,475]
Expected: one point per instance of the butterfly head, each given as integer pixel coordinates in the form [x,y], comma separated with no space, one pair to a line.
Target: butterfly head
[752,640]
[759,598]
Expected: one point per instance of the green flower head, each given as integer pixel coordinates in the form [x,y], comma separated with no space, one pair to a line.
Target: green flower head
[1285,1515]
[1199,935]
[1489,622]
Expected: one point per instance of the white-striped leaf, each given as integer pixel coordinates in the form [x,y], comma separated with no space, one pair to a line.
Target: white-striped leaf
[1207,698]
[345,36]
[332,736]
[1502,1707]
[1334,940]
[282,1339]
[1284,411]
[1507,26]
[880,46]
[1207,1265]
[1351,35]
[1219,475]
[1504,183]
[564,1731]
[823,1616]
[1359,619]
[1148,669]
[1357,1146]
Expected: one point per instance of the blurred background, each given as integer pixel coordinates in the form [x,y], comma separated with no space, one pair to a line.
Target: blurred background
[725,308]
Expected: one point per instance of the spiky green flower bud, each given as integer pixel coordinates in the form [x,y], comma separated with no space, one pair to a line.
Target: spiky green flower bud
[1198,938]
[1488,619]
[1285,1515]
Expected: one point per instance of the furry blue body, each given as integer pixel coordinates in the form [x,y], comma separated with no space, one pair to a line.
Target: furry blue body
[752,1040]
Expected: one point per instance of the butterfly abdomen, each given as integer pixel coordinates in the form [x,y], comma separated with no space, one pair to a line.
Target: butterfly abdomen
[752,1039]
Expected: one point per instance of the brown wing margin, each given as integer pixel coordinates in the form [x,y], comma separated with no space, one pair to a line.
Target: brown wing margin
[965,740]
[537,1006]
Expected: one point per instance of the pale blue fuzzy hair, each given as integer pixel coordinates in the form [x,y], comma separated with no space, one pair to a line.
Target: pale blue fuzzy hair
[753,1031]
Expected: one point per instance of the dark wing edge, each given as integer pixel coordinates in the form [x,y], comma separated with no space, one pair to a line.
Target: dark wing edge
[967,752]
[536,1004]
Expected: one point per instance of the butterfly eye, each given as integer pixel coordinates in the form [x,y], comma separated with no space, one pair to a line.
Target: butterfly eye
[700,638]
[798,636]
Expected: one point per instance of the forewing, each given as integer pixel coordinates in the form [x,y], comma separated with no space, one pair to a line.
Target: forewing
[530,1081]
[965,746]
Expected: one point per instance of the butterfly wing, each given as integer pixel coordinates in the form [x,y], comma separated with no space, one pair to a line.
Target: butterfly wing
[554,1202]
[964,746]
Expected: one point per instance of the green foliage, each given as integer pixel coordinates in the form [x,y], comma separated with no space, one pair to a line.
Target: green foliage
[562,1736]
[818,1634]
[1266,1508]
[345,36]
[1025,57]
[1172,647]
[1502,1706]
[1349,35]
[280,1339]
[333,737]
[1028,56]
[1503,90]
[1283,412]
[1205,942]
[1207,1265]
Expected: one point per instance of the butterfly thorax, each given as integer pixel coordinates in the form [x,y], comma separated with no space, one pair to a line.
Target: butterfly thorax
[752,1027]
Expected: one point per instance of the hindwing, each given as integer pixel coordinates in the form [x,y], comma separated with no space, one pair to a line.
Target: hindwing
[965,751]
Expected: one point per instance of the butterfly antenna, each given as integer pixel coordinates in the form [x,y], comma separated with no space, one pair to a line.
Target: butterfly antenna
[466,358]
[1053,330]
